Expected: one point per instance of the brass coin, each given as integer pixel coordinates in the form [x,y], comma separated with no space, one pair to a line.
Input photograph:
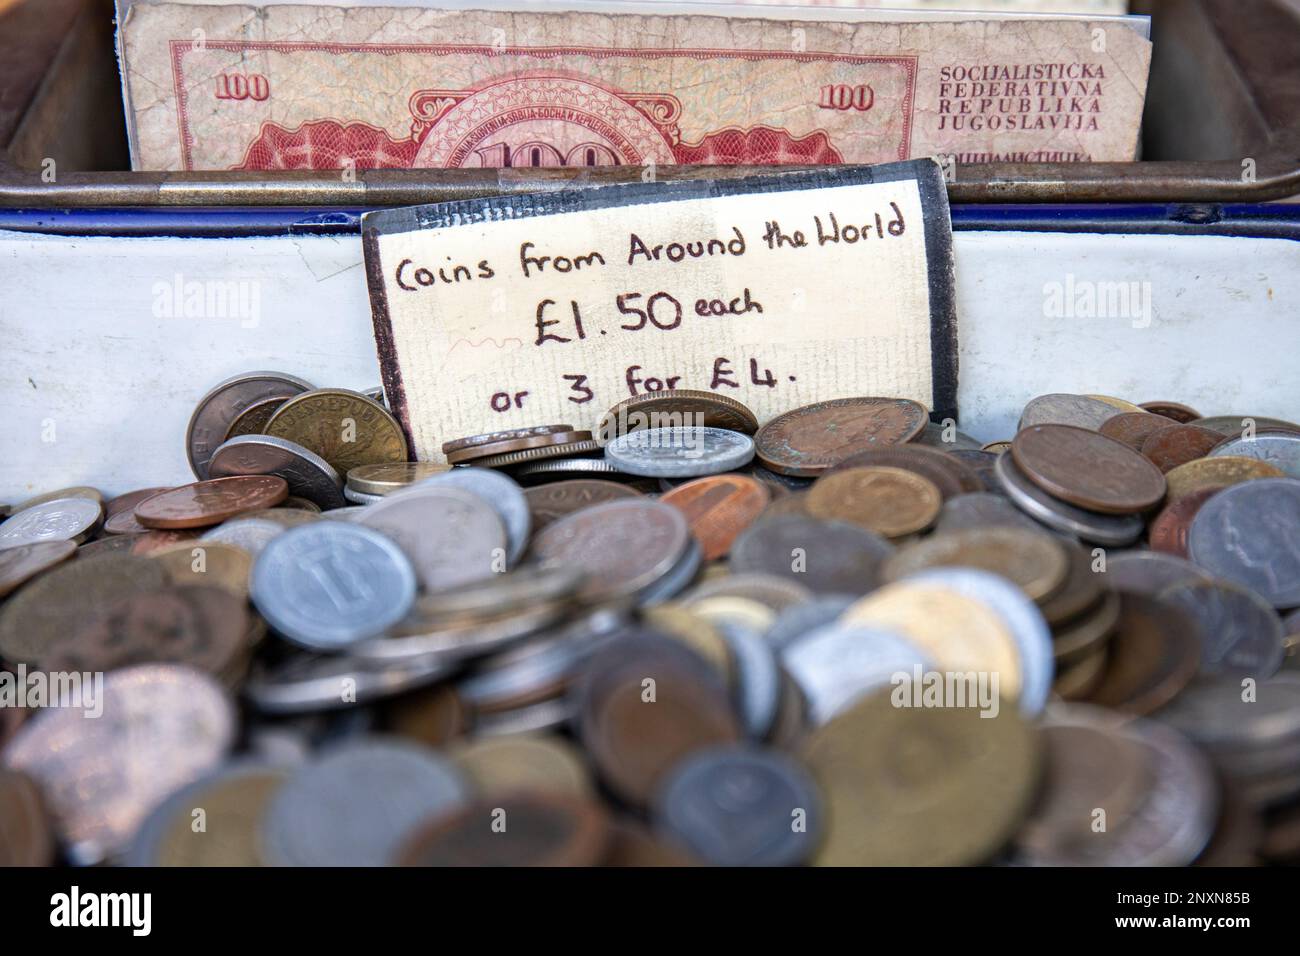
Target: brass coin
[345,428]
[996,447]
[916,786]
[890,501]
[1216,473]
[211,563]
[41,616]
[78,491]
[676,408]
[770,590]
[1033,561]
[957,633]
[508,446]
[501,766]
[387,478]
[808,440]
[20,564]
[233,803]
[735,610]
[718,508]
[254,419]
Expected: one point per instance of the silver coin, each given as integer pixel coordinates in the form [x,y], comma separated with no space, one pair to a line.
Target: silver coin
[360,497]
[452,537]
[529,719]
[1218,714]
[770,590]
[1242,634]
[499,491]
[1149,572]
[1063,409]
[458,643]
[160,727]
[346,513]
[797,620]
[330,584]
[376,394]
[358,803]
[62,519]
[736,806]
[1250,535]
[982,509]
[251,534]
[680,452]
[758,678]
[678,579]
[1032,635]
[565,467]
[1110,530]
[306,683]
[218,409]
[837,664]
[1279,449]
[826,557]
[308,474]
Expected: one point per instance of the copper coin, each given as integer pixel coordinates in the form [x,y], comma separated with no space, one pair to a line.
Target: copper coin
[128,501]
[211,502]
[25,835]
[1154,653]
[645,702]
[202,626]
[254,419]
[548,503]
[950,475]
[676,408]
[218,409]
[527,829]
[1176,445]
[889,501]
[1132,428]
[718,508]
[1174,411]
[809,440]
[1168,530]
[124,522]
[154,541]
[1087,469]
[510,445]
[631,844]
[510,434]
[20,564]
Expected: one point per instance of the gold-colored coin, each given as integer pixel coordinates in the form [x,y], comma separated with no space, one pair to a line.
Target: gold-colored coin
[997,447]
[957,633]
[1032,561]
[1122,404]
[1216,473]
[921,786]
[888,501]
[233,807]
[736,610]
[80,491]
[345,428]
[499,766]
[213,563]
[385,479]
[696,632]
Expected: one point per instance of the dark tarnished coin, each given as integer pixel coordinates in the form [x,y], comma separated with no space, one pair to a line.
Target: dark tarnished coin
[889,501]
[982,510]
[1242,635]
[742,806]
[307,474]
[944,438]
[1031,560]
[644,703]
[982,464]
[509,434]
[827,557]
[1116,530]
[1086,635]
[1154,653]
[718,508]
[384,479]
[1175,445]
[1081,590]
[1087,469]
[622,547]
[1149,572]
[1236,425]
[526,829]
[211,502]
[1132,428]
[511,446]
[1174,411]
[43,614]
[1078,411]
[809,440]
[1168,529]
[25,836]
[217,411]
[550,502]
[254,419]
[345,428]
[676,408]
[18,565]
[950,475]
[1250,534]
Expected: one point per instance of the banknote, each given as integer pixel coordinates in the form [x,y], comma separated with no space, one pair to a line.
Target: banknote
[322,87]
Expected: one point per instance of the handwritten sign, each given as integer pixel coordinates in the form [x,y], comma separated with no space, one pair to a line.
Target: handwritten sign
[777,291]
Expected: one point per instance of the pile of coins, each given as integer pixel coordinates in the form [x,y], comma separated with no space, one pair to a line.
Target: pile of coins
[849,635]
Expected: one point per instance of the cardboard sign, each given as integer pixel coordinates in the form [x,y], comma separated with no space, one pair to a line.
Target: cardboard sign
[777,290]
